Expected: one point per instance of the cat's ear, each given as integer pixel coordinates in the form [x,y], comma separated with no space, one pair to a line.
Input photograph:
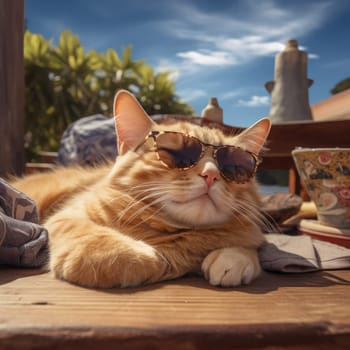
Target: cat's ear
[254,137]
[132,123]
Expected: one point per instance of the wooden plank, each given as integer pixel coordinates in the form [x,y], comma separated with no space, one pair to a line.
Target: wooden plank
[307,311]
[286,137]
[11,87]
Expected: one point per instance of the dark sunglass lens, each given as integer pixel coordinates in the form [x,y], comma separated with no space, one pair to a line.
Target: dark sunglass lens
[177,150]
[235,164]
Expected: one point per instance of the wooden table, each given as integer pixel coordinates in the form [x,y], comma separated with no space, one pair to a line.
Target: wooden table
[305,311]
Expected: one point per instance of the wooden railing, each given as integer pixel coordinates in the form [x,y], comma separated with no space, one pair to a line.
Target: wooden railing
[288,136]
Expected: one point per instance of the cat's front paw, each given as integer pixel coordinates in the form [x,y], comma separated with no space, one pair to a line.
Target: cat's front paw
[228,267]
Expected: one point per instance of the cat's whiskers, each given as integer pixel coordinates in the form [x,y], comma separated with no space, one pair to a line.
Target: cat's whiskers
[112,199]
[238,210]
[145,192]
[138,212]
[151,186]
[146,219]
[240,207]
[93,269]
[262,218]
[127,196]
[140,198]
[251,212]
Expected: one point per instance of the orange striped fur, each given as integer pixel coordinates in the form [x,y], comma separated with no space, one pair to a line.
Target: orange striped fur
[135,221]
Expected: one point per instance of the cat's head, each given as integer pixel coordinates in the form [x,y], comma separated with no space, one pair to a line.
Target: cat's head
[183,170]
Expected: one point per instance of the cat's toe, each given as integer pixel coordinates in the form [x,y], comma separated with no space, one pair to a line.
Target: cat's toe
[229,267]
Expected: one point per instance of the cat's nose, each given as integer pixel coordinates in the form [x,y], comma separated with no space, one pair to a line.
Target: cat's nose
[210,173]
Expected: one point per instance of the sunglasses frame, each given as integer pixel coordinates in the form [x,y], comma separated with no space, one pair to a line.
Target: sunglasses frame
[154,135]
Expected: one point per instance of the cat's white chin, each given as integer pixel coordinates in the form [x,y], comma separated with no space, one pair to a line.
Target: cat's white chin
[198,211]
[201,199]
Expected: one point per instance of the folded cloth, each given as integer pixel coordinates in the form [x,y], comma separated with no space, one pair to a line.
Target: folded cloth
[283,253]
[22,241]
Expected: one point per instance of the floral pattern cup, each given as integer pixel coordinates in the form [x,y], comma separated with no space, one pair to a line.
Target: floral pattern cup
[325,173]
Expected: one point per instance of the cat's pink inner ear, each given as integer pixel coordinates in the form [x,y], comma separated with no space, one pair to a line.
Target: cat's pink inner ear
[131,121]
[254,138]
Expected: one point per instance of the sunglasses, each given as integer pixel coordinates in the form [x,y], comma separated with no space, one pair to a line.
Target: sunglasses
[182,151]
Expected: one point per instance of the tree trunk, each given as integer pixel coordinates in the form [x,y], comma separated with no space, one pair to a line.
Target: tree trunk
[11,87]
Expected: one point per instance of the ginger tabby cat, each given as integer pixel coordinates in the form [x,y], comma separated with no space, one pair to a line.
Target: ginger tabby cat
[177,200]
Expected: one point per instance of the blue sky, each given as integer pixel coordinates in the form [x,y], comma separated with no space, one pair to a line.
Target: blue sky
[222,48]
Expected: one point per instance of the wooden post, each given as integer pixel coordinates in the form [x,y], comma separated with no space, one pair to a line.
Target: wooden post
[11,87]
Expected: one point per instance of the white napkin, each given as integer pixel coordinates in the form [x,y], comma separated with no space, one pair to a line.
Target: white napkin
[301,253]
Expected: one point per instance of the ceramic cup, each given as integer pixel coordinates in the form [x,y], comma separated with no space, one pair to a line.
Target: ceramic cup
[325,173]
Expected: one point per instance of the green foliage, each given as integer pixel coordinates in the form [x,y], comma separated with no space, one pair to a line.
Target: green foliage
[63,84]
[157,93]
[341,86]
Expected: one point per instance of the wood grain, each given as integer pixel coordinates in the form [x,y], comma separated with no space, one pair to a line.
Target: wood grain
[11,87]
[306,311]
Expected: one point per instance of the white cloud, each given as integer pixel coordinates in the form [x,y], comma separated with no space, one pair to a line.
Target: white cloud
[312,56]
[192,94]
[232,94]
[250,46]
[245,31]
[207,58]
[255,101]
